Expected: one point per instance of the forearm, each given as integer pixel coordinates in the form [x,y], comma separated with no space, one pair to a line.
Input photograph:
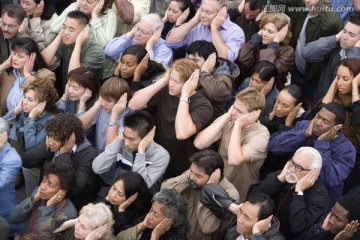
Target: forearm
[210,134]
[104,30]
[48,53]
[184,126]
[75,58]
[57,24]
[125,10]
[220,46]
[89,115]
[179,33]
[355,92]
[236,154]
[143,96]
[112,130]
[103,162]
[329,97]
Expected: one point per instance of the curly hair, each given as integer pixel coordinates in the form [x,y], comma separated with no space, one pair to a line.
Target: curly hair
[63,125]
[99,214]
[44,91]
[65,173]
[174,207]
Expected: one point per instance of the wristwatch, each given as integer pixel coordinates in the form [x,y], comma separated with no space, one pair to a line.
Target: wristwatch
[299,193]
[112,123]
[185,99]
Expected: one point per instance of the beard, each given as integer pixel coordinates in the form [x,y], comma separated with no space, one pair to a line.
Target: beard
[193,185]
[291,177]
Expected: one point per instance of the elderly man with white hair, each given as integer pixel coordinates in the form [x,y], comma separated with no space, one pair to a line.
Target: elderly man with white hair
[301,198]
[10,163]
[147,34]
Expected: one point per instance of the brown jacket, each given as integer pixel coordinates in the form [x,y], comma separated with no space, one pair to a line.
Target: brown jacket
[283,58]
[203,223]
[8,79]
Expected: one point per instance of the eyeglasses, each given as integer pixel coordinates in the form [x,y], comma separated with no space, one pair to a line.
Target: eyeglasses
[298,168]
[143,32]
[3,25]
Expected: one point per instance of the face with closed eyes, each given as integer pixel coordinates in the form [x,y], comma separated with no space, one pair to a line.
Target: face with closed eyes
[128,64]
[116,195]
[29,101]
[174,11]
[344,80]
[82,227]
[268,33]
[284,104]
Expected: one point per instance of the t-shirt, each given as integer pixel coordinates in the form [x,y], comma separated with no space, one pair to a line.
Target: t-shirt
[201,112]
[254,140]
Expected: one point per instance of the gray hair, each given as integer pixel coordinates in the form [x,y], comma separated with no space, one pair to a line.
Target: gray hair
[155,19]
[174,207]
[222,3]
[4,126]
[99,214]
[313,154]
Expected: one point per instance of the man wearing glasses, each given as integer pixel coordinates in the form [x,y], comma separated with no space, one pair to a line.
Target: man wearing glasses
[13,26]
[301,198]
[147,34]
[322,133]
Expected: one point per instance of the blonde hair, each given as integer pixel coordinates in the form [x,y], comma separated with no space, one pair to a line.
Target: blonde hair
[113,88]
[252,99]
[279,20]
[185,67]
[99,214]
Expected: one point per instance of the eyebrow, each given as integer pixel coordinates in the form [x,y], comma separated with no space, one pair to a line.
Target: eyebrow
[128,137]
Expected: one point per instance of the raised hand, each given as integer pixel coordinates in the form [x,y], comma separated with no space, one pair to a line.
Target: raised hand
[153,40]
[19,107]
[85,97]
[120,106]
[83,36]
[161,228]
[262,225]
[215,177]
[326,224]
[307,181]
[241,6]
[77,4]
[309,129]
[348,231]
[282,175]
[165,18]
[6,64]
[183,17]
[248,119]
[268,86]
[219,19]
[132,32]
[356,81]
[281,35]
[196,18]
[190,85]
[260,16]
[338,36]
[67,224]
[292,115]
[128,202]
[272,114]
[97,233]
[29,64]
[209,64]
[37,110]
[57,198]
[97,9]
[24,25]
[69,144]
[39,9]
[146,141]
[330,134]
[3,139]
[141,68]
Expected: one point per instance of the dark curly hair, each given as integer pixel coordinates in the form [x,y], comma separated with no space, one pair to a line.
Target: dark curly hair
[45,91]
[64,172]
[63,125]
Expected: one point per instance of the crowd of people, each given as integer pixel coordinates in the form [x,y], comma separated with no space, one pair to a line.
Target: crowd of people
[180,119]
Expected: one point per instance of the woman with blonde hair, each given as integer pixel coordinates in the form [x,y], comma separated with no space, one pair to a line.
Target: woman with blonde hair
[95,221]
[271,43]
